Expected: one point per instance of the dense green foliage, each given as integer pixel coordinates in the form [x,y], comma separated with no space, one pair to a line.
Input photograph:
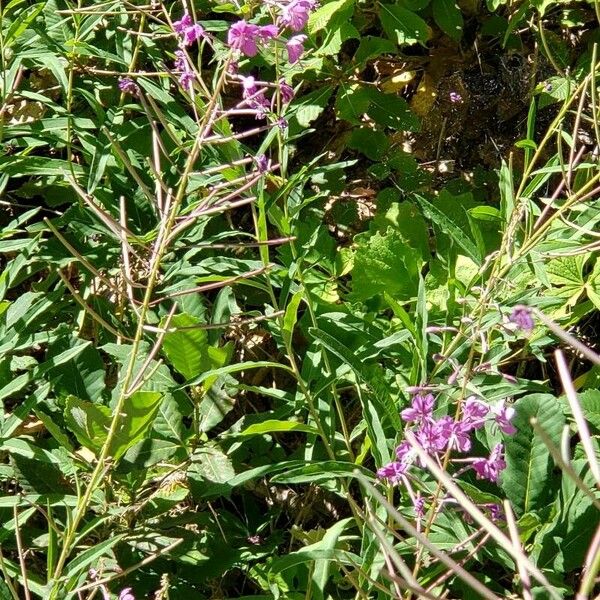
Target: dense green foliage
[213,313]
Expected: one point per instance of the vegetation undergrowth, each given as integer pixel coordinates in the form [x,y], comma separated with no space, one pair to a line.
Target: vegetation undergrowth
[299,299]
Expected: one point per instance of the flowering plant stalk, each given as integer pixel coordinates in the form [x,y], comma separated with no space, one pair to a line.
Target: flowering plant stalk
[175,214]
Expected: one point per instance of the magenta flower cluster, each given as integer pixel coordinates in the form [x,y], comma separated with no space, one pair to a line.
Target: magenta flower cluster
[438,436]
[292,15]
[188,32]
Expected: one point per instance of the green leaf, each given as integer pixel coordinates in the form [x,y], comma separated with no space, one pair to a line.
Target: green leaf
[563,544]
[91,555]
[590,406]
[352,102]
[448,17]
[402,25]
[388,110]
[139,412]
[291,316]
[274,426]
[330,14]
[210,473]
[370,374]
[370,142]
[187,349]
[320,471]
[528,480]
[90,422]
[371,47]
[385,263]
[307,108]
[555,89]
[450,227]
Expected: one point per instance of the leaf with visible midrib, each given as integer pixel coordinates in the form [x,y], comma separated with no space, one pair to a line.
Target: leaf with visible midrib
[527,480]
[187,349]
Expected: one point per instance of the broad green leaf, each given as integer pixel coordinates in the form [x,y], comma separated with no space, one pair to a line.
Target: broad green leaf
[187,348]
[139,412]
[329,13]
[352,102]
[210,473]
[448,17]
[402,25]
[371,47]
[388,110]
[562,545]
[385,263]
[307,108]
[590,406]
[90,422]
[370,142]
[528,480]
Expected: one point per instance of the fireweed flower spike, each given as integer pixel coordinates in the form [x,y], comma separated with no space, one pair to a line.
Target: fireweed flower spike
[267,32]
[243,36]
[186,75]
[420,410]
[188,31]
[521,317]
[128,86]
[295,48]
[474,412]
[503,416]
[126,594]
[393,472]
[295,14]
[489,468]
[286,91]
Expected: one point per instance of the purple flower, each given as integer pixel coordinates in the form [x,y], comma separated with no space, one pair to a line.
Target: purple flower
[393,472]
[248,86]
[295,14]
[126,594]
[188,31]
[262,163]
[193,34]
[255,97]
[286,91]
[183,23]
[489,468]
[503,416]
[186,75]
[455,434]
[419,506]
[282,123]
[455,97]
[496,512]
[421,408]
[405,453]
[473,412]
[295,48]
[243,36]
[267,32]
[431,437]
[128,86]
[521,317]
